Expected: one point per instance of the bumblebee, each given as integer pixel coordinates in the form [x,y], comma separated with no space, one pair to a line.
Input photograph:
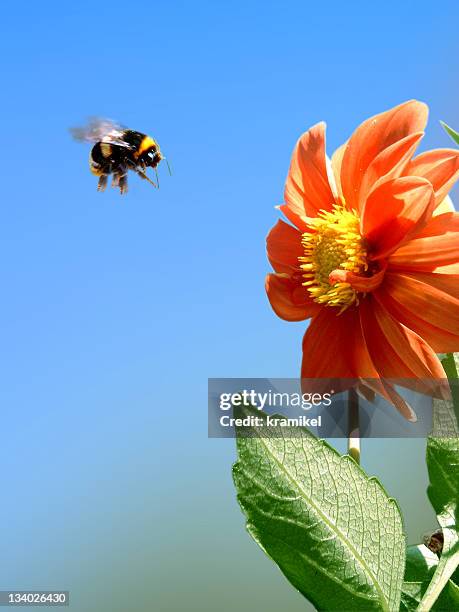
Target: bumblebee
[434,541]
[117,150]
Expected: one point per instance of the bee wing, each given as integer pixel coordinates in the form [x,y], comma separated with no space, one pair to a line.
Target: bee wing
[100,130]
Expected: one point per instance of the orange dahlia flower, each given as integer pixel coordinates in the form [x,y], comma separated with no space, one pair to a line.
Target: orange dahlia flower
[371,254]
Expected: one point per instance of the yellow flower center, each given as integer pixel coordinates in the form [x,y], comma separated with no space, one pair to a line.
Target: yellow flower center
[334,243]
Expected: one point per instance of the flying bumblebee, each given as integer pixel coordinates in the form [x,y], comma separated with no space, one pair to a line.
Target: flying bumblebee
[117,150]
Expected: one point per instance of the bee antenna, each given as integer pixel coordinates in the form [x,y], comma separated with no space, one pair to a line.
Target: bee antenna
[168,167]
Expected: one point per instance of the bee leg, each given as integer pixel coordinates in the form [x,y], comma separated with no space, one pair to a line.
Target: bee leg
[145,177]
[122,183]
[102,184]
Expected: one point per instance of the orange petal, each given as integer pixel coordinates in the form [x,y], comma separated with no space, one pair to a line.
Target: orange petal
[333,347]
[446,205]
[284,247]
[390,163]
[436,245]
[372,137]
[336,161]
[289,299]
[448,269]
[444,279]
[437,306]
[394,211]
[440,167]
[428,311]
[398,352]
[386,389]
[441,224]
[441,340]
[357,282]
[307,189]
[299,221]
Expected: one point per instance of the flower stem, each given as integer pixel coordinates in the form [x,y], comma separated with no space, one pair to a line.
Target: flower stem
[353,426]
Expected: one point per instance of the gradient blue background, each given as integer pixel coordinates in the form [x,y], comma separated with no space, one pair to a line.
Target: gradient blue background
[115,311]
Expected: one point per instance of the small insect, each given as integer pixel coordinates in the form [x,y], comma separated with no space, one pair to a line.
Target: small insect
[117,150]
[434,541]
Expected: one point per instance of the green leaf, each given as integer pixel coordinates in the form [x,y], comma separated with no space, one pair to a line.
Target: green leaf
[449,130]
[421,564]
[450,363]
[420,561]
[332,530]
[443,456]
[443,489]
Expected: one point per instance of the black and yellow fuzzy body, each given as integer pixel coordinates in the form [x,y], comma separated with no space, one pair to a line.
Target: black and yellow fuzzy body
[109,158]
[118,150]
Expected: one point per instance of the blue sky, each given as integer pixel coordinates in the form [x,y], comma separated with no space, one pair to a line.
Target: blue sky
[115,311]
